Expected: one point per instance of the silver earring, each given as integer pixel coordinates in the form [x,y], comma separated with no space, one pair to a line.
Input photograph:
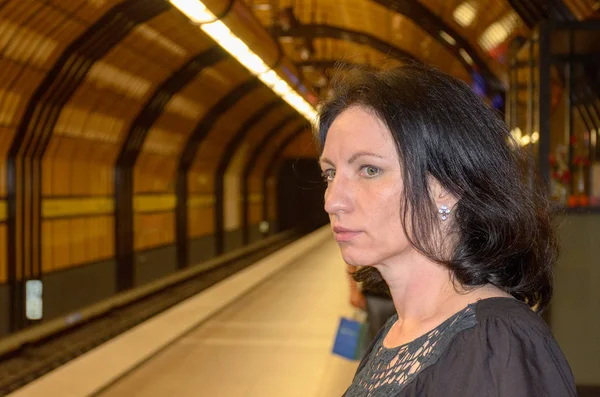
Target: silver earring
[444,211]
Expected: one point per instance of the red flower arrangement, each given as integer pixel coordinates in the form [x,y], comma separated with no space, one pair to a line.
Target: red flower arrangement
[573,140]
[559,172]
[581,160]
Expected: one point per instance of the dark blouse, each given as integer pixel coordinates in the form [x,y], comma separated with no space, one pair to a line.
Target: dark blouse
[495,347]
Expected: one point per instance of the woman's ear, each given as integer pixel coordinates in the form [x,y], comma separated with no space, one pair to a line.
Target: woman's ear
[439,194]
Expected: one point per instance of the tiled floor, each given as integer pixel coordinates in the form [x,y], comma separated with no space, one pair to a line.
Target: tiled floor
[275,341]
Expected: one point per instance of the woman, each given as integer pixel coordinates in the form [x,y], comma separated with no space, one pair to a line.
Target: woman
[425,186]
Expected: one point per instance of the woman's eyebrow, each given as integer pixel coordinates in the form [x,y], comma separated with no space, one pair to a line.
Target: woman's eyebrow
[353,158]
[358,155]
[326,160]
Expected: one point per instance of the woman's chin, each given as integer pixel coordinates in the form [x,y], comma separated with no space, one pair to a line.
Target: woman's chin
[353,260]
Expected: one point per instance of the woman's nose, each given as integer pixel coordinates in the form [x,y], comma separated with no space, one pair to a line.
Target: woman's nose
[337,199]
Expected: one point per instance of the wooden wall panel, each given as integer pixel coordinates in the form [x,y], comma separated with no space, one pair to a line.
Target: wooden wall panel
[156,166]
[86,142]
[219,81]
[69,242]
[202,182]
[3,264]
[272,198]
[154,174]
[254,136]
[255,184]
[211,149]
[255,213]
[255,199]
[153,230]
[257,173]
[201,220]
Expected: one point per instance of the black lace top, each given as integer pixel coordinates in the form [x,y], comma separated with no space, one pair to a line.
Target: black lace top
[495,347]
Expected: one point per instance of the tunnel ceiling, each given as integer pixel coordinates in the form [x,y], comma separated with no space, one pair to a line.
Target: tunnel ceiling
[129,82]
[459,36]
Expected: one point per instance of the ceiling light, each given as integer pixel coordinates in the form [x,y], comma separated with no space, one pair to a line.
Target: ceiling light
[465,55]
[270,78]
[304,54]
[194,10]
[498,32]
[197,12]
[464,14]
[516,134]
[262,7]
[535,137]
[449,39]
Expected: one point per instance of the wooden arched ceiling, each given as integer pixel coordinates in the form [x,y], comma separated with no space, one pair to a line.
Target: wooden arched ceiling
[32,38]
[459,36]
[488,25]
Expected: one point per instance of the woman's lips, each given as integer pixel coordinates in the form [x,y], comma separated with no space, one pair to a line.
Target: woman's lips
[343,235]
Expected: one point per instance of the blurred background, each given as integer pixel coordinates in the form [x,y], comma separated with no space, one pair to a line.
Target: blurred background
[161,221]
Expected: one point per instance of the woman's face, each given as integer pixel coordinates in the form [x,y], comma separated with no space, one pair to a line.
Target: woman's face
[362,170]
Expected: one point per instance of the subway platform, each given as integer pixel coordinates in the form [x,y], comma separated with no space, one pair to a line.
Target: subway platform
[265,331]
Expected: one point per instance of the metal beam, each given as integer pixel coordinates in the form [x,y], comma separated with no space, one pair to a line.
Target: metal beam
[533,12]
[313,31]
[130,151]
[530,15]
[227,156]
[271,163]
[187,158]
[251,163]
[544,108]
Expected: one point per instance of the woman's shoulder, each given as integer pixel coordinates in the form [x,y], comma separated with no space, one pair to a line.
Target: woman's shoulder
[510,349]
[501,312]
[510,321]
[507,323]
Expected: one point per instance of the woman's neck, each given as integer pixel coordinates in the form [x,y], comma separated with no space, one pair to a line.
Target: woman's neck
[418,286]
[424,292]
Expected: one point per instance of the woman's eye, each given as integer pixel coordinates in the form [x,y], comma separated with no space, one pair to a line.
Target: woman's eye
[370,171]
[328,175]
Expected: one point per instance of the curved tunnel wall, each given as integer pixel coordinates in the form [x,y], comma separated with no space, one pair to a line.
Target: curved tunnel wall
[125,137]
